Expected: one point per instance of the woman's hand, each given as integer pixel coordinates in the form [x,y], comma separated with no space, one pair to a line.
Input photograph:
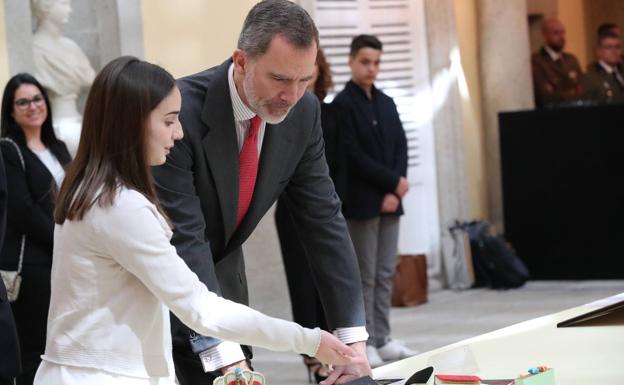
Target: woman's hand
[332,351]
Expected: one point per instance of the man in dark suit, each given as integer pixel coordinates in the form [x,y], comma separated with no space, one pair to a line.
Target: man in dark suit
[604,82]
[250,133]
[377,166]
[10,365]
[556,74]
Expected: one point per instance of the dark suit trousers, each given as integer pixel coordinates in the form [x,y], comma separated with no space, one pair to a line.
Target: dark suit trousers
[304,298]
[31,318]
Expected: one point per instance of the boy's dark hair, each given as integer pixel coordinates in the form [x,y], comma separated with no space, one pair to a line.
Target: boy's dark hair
[364,41]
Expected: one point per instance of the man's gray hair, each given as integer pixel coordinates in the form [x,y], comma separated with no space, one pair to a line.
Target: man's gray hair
[272,17]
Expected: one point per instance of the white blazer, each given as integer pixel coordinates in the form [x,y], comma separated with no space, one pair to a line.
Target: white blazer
[115,276]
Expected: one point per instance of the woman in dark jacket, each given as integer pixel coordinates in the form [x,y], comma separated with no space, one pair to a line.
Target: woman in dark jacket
[304,298]
[34,160]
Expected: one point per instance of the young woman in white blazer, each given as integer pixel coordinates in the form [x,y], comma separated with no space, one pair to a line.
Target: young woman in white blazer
[115,276]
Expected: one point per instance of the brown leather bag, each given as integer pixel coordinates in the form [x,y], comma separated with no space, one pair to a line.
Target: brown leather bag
[410,281]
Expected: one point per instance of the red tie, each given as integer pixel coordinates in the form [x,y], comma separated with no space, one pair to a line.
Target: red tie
[248,168]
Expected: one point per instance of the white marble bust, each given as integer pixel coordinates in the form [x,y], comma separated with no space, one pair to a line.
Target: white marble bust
[61,67]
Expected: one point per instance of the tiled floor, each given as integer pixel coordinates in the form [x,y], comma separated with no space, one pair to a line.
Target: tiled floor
[454,316]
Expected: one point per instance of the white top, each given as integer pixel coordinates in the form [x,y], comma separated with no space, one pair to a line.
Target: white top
[115,276]
[52,164]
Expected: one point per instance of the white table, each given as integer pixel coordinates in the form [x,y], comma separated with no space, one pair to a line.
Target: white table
[582,355]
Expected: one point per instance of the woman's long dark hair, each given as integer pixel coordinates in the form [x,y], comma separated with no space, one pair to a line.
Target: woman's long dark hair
[324,78]
[112,150]
[8,125]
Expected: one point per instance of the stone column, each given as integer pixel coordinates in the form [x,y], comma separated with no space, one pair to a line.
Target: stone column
[506,81]
[17,17]
[444,68]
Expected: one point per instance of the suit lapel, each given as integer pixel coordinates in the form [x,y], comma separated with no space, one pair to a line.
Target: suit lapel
[221,146]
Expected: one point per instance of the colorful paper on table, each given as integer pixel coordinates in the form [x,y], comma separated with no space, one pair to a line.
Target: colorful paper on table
[542,378]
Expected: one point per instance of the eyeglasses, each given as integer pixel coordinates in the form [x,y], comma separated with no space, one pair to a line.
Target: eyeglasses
[24,103]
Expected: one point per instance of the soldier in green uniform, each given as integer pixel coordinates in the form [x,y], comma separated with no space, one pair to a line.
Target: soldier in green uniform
[556,74]
[603,82]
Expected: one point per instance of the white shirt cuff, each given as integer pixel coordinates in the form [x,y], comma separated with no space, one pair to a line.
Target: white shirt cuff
[352,334]
[219,356]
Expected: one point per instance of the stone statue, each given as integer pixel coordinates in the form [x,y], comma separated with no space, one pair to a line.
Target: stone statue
[61,67]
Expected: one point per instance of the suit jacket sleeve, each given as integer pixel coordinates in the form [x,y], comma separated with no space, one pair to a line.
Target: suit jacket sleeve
[367,167]
[3,201]
[174,182]
[175,185]
[24,214]
[316,211]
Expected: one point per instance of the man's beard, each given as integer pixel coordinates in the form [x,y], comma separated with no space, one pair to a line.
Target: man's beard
[256,104]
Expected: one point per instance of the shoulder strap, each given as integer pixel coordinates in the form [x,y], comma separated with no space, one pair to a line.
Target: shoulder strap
[21,158]
[19,152]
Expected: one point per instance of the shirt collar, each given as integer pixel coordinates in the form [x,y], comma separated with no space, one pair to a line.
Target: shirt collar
[241,111]
[606,67]
[359,90]
[552,53]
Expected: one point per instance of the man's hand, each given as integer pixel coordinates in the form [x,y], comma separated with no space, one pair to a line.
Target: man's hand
[230,368]
[332,351]
[345,373]
[402,187]
[390,204]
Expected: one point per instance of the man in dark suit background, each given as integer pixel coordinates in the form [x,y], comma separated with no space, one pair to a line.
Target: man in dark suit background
[250,133]
[10,365]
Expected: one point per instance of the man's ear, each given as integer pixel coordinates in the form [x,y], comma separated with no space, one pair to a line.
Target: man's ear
[239,57]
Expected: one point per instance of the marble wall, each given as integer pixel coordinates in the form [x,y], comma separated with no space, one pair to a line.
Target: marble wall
[506,81]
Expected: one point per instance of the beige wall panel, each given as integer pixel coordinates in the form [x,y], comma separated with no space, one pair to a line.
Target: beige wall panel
[547,8]
[188,36]
[470,93]
[572,15]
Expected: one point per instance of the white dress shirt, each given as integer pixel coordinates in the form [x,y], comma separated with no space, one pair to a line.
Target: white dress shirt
[115,277]
[554,55]
[227,353]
